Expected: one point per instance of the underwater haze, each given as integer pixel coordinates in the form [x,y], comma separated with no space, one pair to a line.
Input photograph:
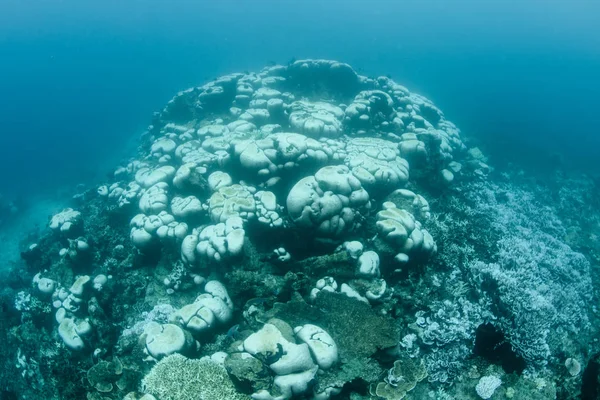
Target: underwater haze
[78,79]
[287,200]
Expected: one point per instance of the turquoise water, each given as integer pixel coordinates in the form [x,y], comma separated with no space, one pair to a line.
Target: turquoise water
[345,200]
[80,78]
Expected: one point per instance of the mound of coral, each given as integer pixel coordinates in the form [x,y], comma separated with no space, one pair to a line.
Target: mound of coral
[303,232]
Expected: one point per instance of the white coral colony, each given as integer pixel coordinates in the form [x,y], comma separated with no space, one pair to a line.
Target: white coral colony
[330,203]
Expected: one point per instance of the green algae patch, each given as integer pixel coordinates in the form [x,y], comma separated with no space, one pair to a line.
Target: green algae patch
[356,328]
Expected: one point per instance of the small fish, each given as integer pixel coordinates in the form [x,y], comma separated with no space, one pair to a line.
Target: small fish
[272,358]
[257,301]
[234,332]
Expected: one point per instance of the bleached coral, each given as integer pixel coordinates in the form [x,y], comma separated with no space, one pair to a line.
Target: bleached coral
[217,242]
[165,339]
[541,285]
[448,333]
[294,365]
[330,203]
[179,378]
[400,228]
[317,119]
[487,385]
[145,229]
[372,110]
[211,308]
[376,163]
[67,221]
[232,201]
[147,177]
[280,153]
[155,199]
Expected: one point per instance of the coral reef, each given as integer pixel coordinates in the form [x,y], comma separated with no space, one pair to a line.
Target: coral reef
[308,232]
[179,378]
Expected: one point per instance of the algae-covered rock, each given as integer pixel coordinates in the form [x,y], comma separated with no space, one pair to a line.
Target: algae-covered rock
[359,371]
[401,379]
[339,264]
[248,372]
[368,332]
[111,377]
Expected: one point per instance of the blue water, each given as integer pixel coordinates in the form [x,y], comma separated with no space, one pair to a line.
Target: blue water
[80,79]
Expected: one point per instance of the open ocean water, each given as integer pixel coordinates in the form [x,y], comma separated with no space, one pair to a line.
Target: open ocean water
[490,291]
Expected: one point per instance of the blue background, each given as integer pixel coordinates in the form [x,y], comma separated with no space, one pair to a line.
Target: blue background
[79,80]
